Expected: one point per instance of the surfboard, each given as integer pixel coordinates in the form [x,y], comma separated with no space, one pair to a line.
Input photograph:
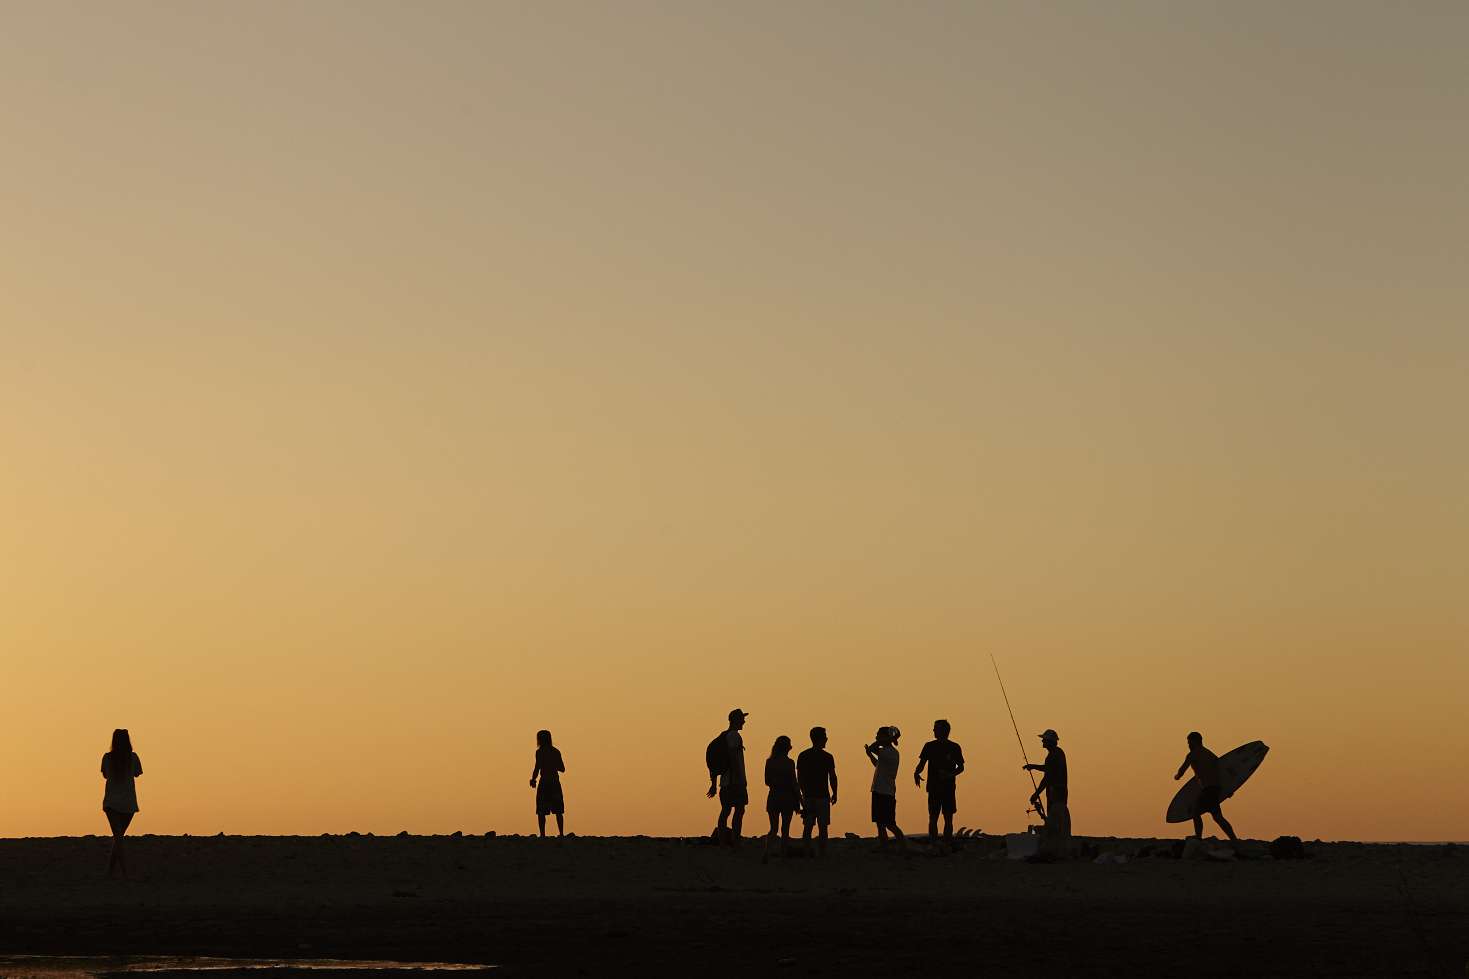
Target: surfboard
[1235,768]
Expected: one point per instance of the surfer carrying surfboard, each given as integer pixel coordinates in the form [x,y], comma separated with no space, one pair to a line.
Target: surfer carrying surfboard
[1206,769]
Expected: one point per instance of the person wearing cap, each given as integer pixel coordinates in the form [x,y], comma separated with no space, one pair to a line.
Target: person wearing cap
[1206,769]
[732,788]
[945,761]
[883,753]
[1053,784]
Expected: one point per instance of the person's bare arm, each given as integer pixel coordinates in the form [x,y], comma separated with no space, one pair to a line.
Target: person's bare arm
[918,772]
[833,786]
[535,772]
[1181,769]
[871,754]
[959,769]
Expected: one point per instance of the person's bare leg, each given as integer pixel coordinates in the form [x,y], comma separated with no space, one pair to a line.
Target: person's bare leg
[541,822]
[821,846]
[948,827]
[933,825]
[1218,815]
[560,824]
[737,821]
[806,839]
[1198,827]
[882,836]
[785,833]
[115,860]
[721,832]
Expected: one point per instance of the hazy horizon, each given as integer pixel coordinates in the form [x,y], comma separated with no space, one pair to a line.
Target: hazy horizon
[382,383]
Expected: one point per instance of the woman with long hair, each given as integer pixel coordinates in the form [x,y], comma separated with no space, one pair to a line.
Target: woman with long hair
[785,795]
[549,800]
[120,766]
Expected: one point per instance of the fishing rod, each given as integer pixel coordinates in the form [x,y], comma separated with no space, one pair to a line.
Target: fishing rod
[1018,740]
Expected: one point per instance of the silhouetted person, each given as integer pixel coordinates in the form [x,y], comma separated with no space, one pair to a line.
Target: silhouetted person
[1206,769]
[1054,785]
[120,766]
[784,797]
[883,753]
[725,758]
[549,800]
[945,761]
[816,773]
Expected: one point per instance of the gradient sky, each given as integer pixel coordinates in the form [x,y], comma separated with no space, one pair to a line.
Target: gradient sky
[380,382]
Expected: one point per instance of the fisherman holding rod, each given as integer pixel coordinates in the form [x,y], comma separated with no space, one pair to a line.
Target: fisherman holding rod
[1053,783]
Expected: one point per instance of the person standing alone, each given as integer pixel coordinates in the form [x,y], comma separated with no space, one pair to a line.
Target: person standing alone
[1054,785]
[549,800]
[725,758]
[1206,769]
[120,766]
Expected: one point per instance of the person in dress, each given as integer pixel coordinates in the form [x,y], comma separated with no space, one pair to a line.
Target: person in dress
[549,800]
[120,767]
[784,797]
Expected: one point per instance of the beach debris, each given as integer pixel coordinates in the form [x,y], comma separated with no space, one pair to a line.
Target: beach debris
[1287,848]
[1020,846]
[457,833]
[403,832]
[852,836]
[489,834]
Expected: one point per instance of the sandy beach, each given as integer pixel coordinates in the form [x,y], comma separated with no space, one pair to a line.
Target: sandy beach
[639,906]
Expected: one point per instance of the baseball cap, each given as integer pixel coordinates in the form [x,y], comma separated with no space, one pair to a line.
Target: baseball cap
[738,713]
[1048,733]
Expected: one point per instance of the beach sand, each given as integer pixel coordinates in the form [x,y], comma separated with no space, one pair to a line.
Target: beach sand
[638,906]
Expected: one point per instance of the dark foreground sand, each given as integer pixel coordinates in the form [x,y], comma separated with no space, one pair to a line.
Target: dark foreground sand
[613,907]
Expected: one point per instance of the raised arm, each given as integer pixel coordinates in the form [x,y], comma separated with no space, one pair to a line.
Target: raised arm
[871,754]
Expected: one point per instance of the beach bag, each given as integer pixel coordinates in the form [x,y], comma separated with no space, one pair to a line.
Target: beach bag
[716,756]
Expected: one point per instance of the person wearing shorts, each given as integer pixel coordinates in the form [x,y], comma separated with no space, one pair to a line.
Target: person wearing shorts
[945,761]
[816,775]
[883,753]
[1205,765]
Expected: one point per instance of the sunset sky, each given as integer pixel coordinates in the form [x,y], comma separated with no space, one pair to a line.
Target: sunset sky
[381,382]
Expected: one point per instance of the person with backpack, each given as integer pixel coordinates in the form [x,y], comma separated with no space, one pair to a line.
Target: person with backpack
[725,759]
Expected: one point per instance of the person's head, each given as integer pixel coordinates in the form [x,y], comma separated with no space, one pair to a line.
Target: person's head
[818,737]
[737,719]
[894,734]
[1195,739]
[781,748]
[941,730]
[1049,738]
[543,739]
[122,745]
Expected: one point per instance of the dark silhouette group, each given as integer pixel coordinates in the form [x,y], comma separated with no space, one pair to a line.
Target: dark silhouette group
[805,785]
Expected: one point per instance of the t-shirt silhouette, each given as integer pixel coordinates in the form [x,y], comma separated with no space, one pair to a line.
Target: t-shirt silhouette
[885,775]
[734,776]
[944,759]
[548,760]
[1056,788]
[813,769]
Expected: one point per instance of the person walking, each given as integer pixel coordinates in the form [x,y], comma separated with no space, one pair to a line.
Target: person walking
[725,758]
[945,761]
[883,753]
[549,799]
[816,773]
[784,797]
[1206,769]
[120,767]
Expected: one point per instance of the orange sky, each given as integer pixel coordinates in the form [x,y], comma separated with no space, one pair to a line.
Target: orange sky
[381,383]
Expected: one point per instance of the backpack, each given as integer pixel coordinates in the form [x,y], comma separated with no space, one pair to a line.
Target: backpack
[716,756]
